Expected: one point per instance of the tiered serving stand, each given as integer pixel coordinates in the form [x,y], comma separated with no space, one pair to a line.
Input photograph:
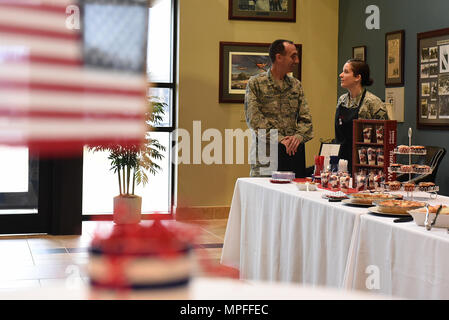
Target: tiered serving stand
[432,191]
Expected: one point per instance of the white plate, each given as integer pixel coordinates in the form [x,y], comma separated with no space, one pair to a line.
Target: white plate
[349,202]
[280,181]
[419,216]
[376,211]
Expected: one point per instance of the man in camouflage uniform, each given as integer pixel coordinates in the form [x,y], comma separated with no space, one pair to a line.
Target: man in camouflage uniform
[275,100]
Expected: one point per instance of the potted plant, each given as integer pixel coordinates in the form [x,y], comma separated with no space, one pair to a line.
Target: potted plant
[132,163]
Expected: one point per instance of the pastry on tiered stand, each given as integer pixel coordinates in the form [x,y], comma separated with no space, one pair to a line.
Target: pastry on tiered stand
[410,149]
[418,149]
[409,186]
[426,186]
[421,169]
[403,149]
[405,168]
[395,167]
[393,185]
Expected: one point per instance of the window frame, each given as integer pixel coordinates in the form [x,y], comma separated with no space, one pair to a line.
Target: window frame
[173,106]
[171,84]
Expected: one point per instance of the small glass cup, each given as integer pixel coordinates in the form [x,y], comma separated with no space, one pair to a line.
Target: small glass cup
[363,156]
[367,134]
[334,181]
[325,178]
[380,134]
[361,182]
[380,156]
[344,182]
[371,156]
[370,184]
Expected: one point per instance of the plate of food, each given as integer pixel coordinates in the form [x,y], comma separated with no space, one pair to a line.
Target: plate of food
[349,202]
[375,210]
[335,196]
[280,181]
[419,215]
[397,207]
[367,198]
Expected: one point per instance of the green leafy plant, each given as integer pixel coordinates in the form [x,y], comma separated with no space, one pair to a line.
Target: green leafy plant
[132,163]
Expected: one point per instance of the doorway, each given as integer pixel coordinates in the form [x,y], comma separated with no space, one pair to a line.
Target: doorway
[20,192]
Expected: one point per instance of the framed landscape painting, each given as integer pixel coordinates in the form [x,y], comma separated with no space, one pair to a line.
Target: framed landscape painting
[239,61]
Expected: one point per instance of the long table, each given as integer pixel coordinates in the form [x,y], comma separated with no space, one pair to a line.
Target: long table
[409,261]
[276,232]
[200,288]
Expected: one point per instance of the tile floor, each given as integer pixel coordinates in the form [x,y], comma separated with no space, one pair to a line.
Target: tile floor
[36,261]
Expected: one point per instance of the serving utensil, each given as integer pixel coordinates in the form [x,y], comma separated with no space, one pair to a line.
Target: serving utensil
[427,222]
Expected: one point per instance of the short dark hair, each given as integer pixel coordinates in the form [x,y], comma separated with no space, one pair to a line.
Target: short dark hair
[360,67]
[277,47]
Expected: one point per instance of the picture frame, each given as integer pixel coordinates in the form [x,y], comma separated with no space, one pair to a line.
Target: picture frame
[394,58]
[394,102]
[328,149]
[241,60]
[432,105]
[262,10]
[359,53]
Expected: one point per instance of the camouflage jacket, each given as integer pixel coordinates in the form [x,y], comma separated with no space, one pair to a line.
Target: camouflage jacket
[268,106]
[371,108]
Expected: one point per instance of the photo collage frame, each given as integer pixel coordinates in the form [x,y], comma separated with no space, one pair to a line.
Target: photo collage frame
[433,79]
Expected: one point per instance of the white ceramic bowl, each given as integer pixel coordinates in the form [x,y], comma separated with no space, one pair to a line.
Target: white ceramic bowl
[302,186]
[419,215]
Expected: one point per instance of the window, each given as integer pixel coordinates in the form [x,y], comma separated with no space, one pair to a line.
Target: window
[99,184]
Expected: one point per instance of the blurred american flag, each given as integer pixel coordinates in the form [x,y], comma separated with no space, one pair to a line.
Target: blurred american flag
[62,88]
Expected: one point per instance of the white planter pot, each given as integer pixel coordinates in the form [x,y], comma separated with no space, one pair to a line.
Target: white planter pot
[127,209]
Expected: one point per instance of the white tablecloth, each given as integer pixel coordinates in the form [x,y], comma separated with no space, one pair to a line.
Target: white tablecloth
[278,233]
[205,289]
[408,260]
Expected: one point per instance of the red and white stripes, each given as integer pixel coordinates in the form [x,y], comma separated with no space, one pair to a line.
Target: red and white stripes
[49,100]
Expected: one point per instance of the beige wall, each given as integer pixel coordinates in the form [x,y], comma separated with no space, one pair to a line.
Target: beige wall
[202,25]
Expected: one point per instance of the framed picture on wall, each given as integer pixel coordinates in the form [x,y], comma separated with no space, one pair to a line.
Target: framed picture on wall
[394,58]
[267,10]
[241,60]
[359,53]
[432,107]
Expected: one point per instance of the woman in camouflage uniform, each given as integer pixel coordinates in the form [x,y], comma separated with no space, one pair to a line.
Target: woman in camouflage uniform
[358,103]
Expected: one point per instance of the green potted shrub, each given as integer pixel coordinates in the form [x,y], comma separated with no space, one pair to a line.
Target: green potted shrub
[132,164]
